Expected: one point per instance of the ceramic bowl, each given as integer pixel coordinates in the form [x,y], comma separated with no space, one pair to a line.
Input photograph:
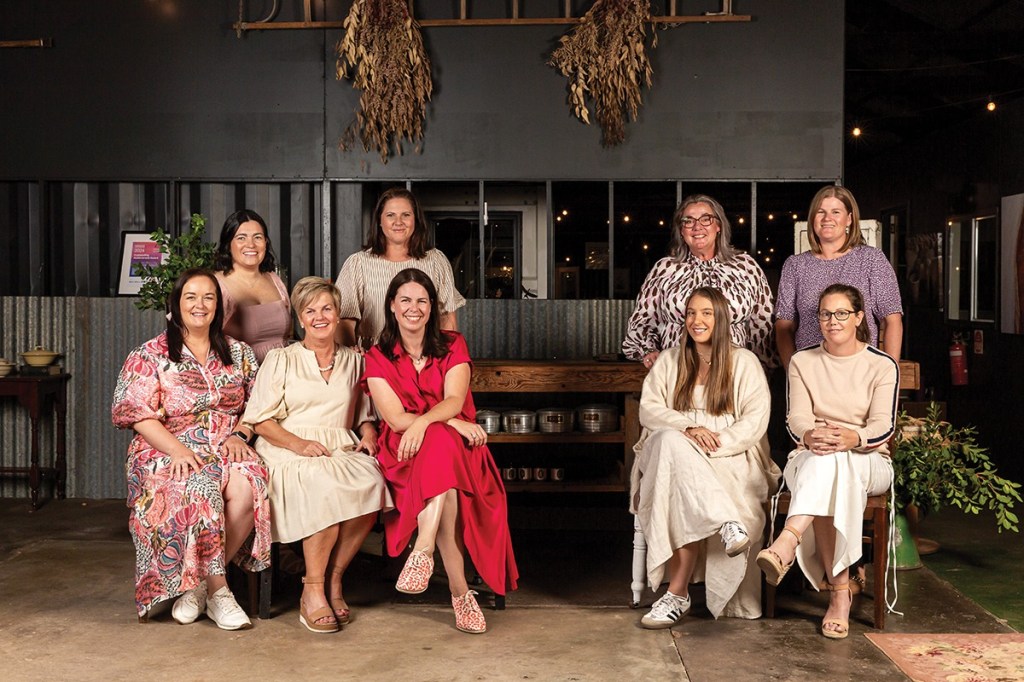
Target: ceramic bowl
[5,370]
[39,357]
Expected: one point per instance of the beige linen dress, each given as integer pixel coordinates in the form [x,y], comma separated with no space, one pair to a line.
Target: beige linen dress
[683,495]
[308,494]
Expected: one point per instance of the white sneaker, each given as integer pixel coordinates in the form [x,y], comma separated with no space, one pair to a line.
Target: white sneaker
[225,611]
[190,605]
[666,612]
[734,537]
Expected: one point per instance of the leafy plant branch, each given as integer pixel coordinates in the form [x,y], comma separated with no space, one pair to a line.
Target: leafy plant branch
[188,250]
[937,465]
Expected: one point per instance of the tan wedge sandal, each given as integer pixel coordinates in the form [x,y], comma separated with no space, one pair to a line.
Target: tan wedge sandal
[771,563]
[843,626]
[342,613]
[309,618]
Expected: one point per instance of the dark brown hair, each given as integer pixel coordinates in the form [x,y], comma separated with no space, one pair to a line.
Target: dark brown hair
[377,244]
[856,300]
[718,390]
[435,342]
[223,261]
[176,326]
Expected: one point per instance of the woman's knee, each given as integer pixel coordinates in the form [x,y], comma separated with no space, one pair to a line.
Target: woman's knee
[238,491]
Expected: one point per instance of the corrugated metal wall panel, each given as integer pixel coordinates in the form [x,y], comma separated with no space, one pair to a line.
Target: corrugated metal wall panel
[27,322]
[96,334]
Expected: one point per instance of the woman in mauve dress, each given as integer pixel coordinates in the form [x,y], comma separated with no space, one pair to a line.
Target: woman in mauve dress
[434,455]
[256,308]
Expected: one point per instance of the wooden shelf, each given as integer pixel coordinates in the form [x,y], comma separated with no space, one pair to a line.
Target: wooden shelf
[570,437]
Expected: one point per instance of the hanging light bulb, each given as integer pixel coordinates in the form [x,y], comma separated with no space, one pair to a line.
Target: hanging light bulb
[856,131]
[991,106]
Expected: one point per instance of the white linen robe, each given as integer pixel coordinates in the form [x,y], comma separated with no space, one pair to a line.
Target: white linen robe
[683,495]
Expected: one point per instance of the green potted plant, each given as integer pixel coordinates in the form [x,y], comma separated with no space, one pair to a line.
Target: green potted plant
[937,465]
[188,250]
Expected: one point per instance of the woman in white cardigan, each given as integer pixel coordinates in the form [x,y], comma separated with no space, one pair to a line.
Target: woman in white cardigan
[703,467]
[842,410]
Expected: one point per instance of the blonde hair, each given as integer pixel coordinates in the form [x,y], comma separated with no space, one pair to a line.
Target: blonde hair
[718,390]
[307,289]
[853,234]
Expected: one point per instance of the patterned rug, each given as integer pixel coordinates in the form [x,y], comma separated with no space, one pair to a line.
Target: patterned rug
[955,658]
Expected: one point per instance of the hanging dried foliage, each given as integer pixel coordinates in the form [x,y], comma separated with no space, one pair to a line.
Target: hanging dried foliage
[383,47]
[604,55]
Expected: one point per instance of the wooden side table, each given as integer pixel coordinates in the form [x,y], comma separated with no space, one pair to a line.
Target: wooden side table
[33,393]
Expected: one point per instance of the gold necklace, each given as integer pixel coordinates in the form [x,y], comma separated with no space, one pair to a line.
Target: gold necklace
[707,361]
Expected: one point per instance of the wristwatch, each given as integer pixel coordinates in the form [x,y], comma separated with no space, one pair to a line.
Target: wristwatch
[245,438]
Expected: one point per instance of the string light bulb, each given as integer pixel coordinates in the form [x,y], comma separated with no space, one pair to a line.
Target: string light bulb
[856,131]
[991,106]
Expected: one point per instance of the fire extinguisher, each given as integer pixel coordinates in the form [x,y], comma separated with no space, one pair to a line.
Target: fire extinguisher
[958,361]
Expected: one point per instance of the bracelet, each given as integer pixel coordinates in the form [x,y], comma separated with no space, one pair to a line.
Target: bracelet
[239,434]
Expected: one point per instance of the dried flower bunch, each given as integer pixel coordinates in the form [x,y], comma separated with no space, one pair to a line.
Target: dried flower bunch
[383,47]
[605,56]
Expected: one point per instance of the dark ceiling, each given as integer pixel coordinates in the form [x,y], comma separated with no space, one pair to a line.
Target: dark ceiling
[917,67]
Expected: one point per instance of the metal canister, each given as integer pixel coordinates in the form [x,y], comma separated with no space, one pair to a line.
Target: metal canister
[555,420]
[489,420]
[519,421]
[598,418]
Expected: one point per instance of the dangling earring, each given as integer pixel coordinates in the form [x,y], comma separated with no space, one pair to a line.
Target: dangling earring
[847,230]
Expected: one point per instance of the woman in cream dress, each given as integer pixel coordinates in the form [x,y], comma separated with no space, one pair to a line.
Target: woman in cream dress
[703,467]
[325,485]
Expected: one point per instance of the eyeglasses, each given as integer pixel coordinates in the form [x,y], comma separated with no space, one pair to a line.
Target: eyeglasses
[705,220]
[841,315]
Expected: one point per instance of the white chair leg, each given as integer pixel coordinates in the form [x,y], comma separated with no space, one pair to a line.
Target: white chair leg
[639,563]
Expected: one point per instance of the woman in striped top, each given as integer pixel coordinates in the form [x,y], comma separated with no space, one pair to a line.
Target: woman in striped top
[399,242]
[842,411]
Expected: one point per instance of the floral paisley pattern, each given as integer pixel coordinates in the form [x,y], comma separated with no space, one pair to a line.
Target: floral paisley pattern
[178,526]
[659,317]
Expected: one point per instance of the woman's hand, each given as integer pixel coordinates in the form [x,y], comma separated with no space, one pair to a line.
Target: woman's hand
[234,448]
[310,448]
[471,431]
[412,439]
[649,359]
[183,463]
[708,440]
[830,439]
[368,442]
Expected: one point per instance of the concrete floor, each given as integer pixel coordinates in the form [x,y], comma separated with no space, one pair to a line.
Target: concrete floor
[67,613]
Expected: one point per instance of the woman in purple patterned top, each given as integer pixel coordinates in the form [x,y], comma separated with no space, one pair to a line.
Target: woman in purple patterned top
[700,256]
[838,255]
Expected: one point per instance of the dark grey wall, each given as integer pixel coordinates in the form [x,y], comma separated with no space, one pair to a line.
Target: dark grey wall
[962,170]
[138,90]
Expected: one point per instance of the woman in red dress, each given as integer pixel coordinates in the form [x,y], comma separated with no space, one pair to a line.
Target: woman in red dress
[434,454]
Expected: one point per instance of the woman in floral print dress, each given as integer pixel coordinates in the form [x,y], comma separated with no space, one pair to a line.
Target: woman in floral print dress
[196,489]
[700,255]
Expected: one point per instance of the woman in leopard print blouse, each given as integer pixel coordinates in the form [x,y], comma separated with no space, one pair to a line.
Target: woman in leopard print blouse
[700,256]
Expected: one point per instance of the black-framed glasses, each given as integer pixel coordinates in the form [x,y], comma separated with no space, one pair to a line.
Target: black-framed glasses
[705,220]
[841,315]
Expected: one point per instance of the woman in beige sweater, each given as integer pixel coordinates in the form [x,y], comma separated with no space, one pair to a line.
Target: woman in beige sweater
[842,410]
[703,467]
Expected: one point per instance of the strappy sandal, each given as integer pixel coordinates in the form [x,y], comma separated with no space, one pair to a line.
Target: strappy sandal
[771,563]
[342,613]
[843,630]
[857,584]
[309,618]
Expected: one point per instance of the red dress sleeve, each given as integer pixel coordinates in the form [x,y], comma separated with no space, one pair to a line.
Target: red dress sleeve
[458,352]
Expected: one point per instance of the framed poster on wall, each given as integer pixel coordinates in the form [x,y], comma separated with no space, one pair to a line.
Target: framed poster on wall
[137,249]
[1012,269]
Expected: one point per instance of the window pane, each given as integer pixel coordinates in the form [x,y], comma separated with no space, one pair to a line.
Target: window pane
[453,218]
[643,227]
[580,211]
